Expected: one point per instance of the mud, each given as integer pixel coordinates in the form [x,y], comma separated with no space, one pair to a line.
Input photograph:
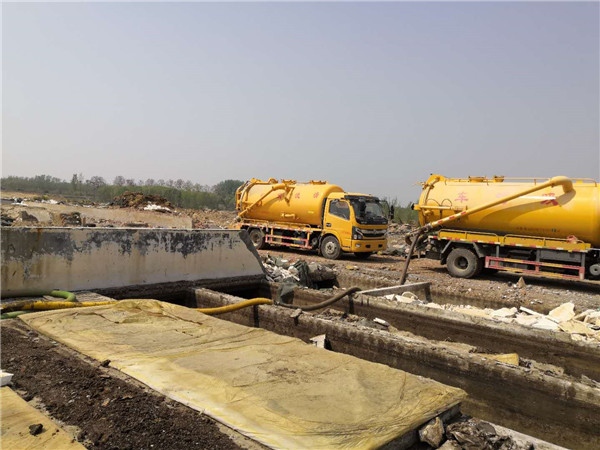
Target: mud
[108,411]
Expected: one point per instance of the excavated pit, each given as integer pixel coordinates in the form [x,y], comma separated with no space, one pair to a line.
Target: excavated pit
[547,404]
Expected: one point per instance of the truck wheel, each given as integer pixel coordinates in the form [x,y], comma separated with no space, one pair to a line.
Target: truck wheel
[463,263]
[257,237]
[363,255]
[330,247]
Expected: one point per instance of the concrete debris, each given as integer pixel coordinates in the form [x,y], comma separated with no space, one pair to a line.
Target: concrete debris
[560,319]
[521,283]
[545,324]
[299,273]
[5,378]
[476,435]
[296,313]
[319,341]
[450,445]
[381,322]
[505,312]
[564,312]
[320,272]
[432,433]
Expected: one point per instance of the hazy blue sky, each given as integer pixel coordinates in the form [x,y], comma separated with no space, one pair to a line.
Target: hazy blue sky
[371,96]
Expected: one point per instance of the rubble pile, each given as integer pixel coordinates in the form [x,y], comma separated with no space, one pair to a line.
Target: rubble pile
[211,218]
[142,201]
[470,434]
[300,272]
[396,239]
[70,219]
[584,326]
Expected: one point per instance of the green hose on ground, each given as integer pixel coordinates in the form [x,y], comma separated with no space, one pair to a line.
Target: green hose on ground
[10,310]
[13,315]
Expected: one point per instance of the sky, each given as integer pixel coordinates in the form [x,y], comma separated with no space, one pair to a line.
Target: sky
[373,97]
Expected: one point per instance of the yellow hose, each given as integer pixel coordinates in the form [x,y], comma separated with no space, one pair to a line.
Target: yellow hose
[45,306]
[235,306]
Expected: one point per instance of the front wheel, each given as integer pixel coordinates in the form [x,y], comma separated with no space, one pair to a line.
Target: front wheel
[362,255]
[464,263]
[330,247]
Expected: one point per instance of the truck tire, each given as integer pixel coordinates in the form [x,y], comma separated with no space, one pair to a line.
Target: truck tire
[257,237]
[330,248]
[362,255]
[464,263]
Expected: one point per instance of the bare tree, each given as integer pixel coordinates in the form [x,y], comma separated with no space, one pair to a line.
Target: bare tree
[161,182]
[188,185]
[130,182]
[96,182]
[150,182]
[119,180]
[179,183]
[170,183]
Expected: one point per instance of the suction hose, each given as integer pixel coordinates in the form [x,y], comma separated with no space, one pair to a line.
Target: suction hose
[324,304]
[15,309]
[38,305]
[235,306]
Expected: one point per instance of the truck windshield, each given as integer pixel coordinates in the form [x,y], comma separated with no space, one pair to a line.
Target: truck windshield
[368,211]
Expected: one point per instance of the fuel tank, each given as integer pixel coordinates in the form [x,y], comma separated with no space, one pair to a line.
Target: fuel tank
[289,202]
[549,212]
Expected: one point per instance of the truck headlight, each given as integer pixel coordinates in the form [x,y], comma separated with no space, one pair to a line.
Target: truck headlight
[357,233]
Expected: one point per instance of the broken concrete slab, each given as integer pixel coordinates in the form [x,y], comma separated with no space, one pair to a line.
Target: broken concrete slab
[564,312]
[432,433]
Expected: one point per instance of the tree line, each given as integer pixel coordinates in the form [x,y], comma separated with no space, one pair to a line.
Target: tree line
[182,193]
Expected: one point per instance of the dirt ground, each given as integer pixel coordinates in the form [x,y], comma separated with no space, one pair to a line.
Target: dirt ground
[96,404]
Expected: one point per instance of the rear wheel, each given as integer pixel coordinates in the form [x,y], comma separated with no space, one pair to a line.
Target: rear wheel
[330,247]
[257,237]
[363,255]
[464,263]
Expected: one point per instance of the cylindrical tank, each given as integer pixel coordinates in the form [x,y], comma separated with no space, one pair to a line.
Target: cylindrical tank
[549,212]
[299,203]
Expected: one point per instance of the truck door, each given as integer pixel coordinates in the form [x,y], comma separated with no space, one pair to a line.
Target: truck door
[337,221]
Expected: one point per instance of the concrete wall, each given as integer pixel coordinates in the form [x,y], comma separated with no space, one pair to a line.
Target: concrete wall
[99,258]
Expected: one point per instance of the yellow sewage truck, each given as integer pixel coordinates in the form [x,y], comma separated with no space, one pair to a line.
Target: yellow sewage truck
[548,227]
[312,215]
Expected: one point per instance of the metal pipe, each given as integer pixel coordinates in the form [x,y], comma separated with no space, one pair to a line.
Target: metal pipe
[275,187]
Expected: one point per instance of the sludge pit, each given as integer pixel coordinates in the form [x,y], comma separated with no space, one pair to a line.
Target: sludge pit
[444,347]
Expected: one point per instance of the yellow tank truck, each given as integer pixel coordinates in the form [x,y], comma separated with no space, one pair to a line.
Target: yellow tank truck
[313,215]
[548,227]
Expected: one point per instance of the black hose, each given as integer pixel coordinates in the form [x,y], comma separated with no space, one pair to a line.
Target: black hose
[323,304]
[413,244]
